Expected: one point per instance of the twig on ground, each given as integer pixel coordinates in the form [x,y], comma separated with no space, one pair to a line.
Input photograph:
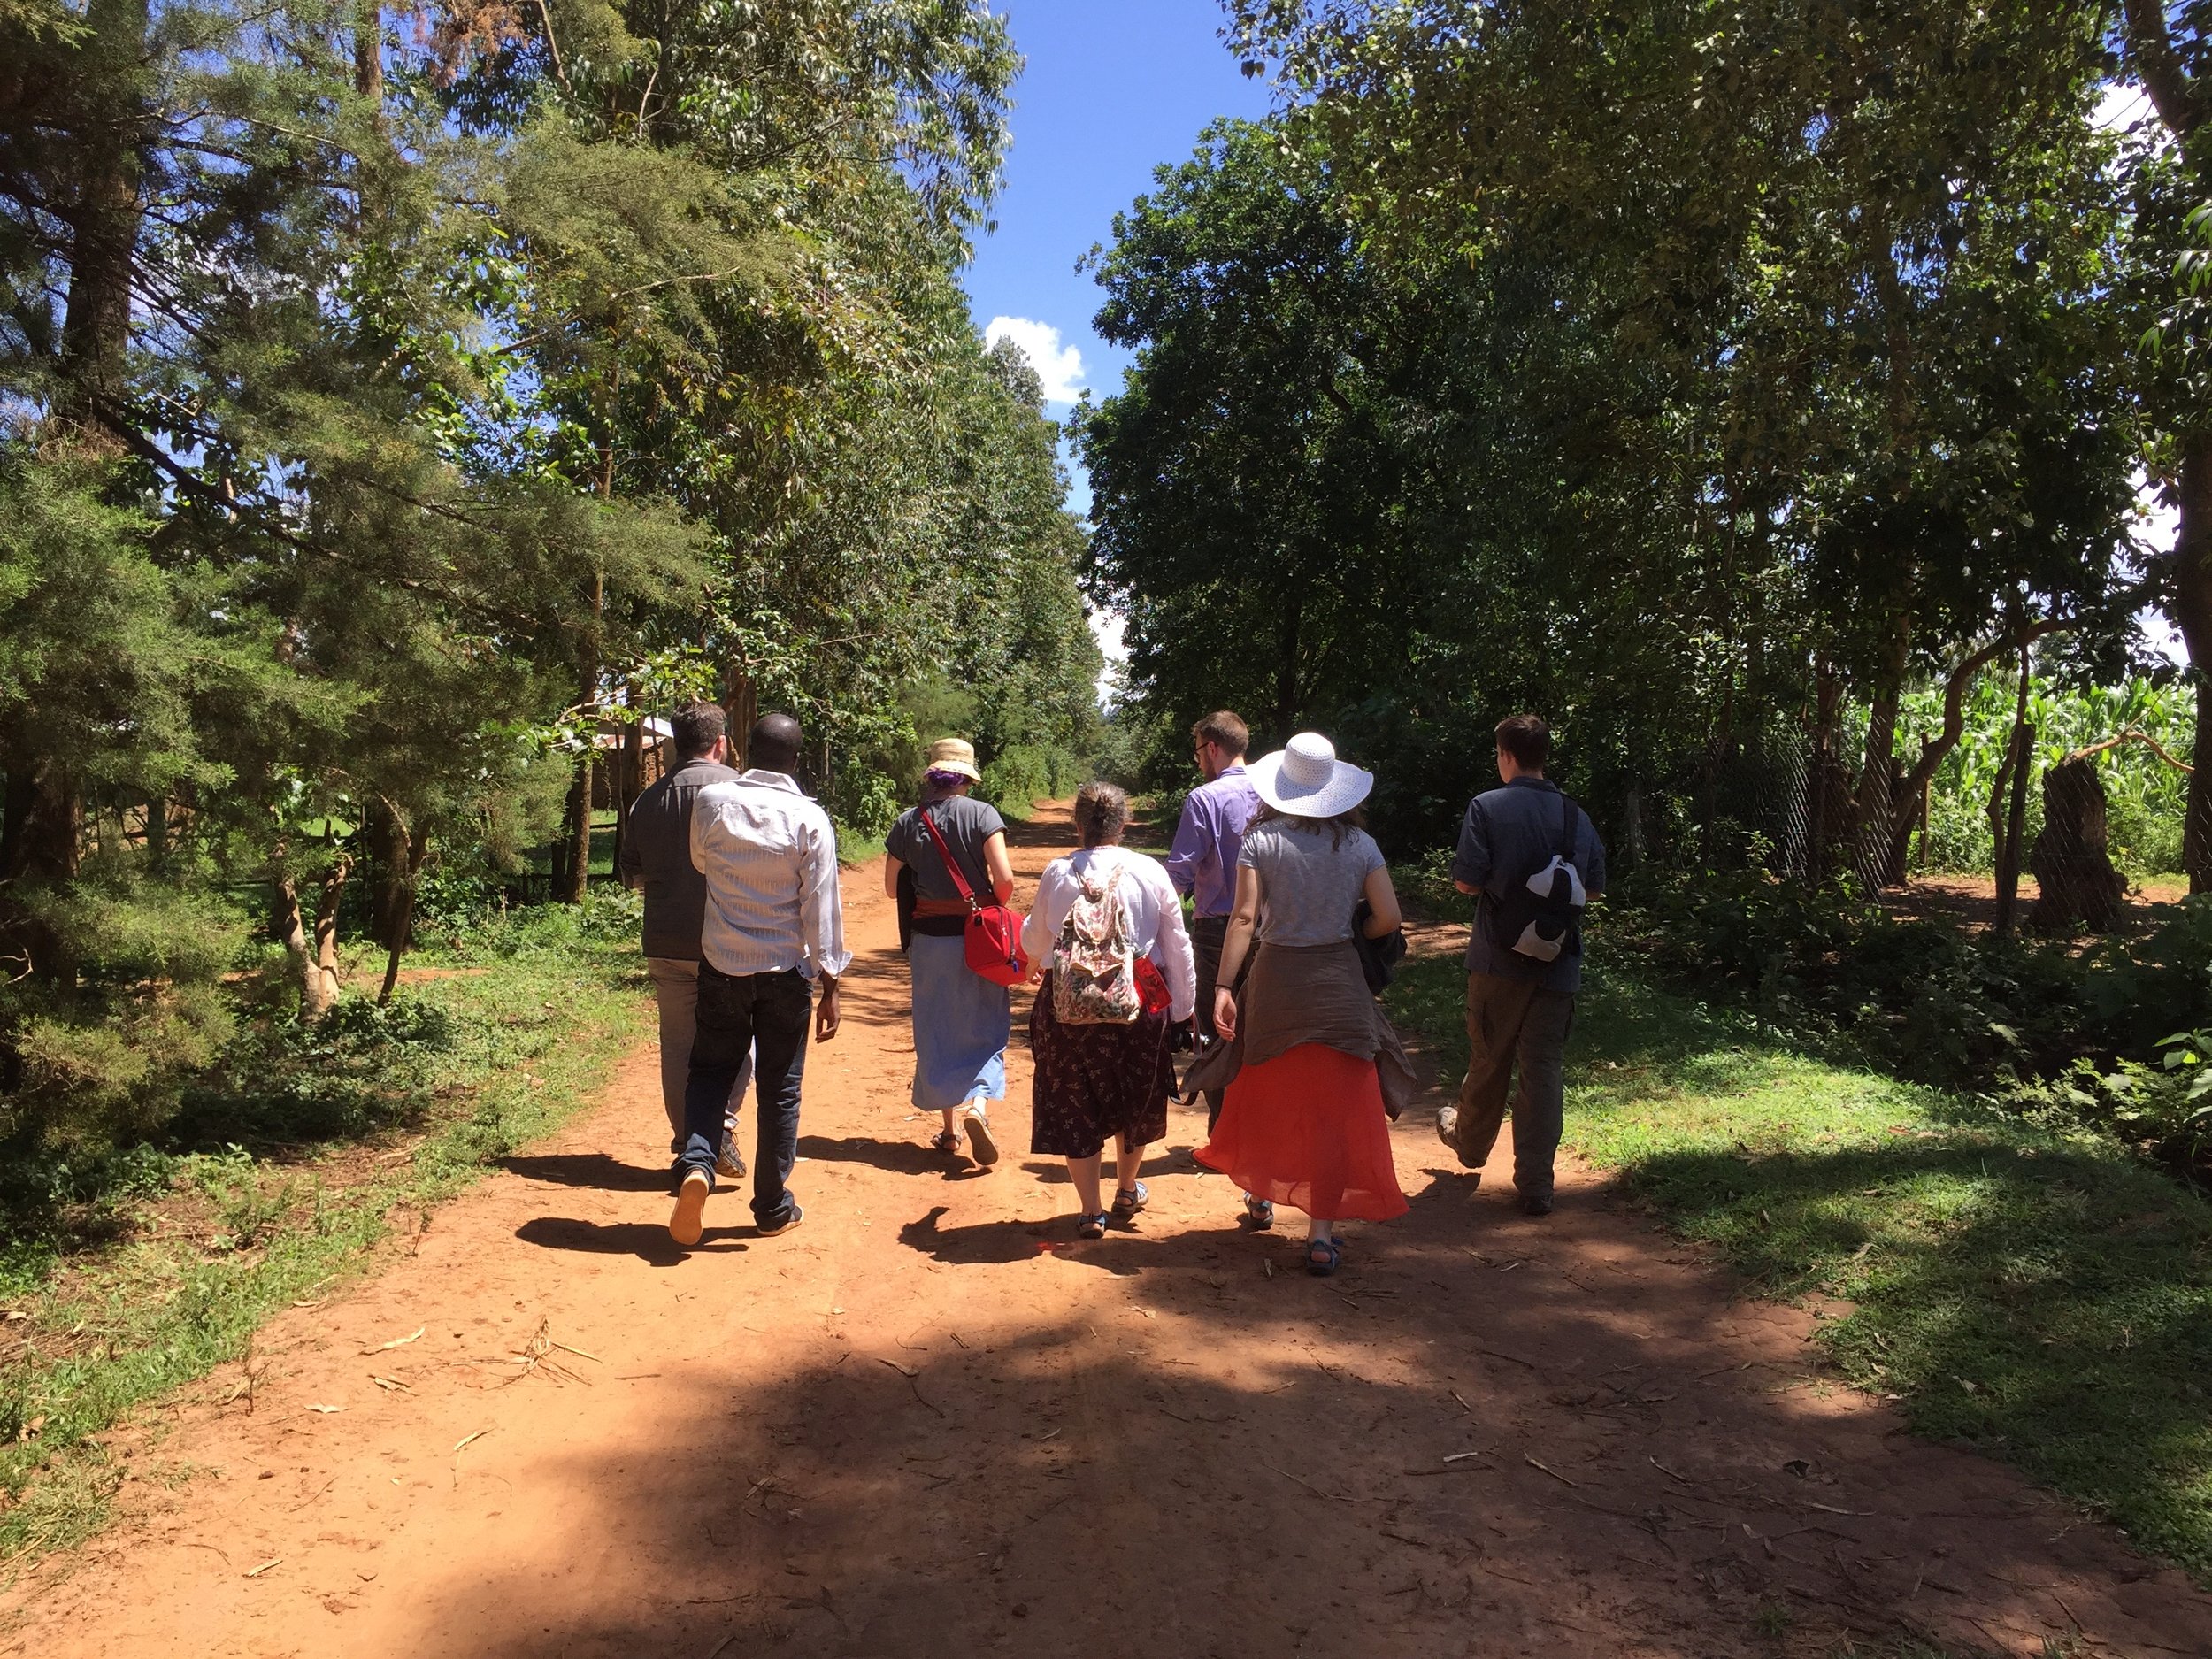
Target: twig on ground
[457,1445]
[913,1381]
[1309,1486]
[397,1341]
[1548,1469]
[274,1562]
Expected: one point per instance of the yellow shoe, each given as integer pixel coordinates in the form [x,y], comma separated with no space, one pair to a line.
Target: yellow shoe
[689,1219]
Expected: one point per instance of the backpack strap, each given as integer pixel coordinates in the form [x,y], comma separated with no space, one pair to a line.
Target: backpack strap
[952,865]
[1571,816]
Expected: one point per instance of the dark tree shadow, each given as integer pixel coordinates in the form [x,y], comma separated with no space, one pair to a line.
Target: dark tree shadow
[641,1239]
[900,1157]
[595,1170]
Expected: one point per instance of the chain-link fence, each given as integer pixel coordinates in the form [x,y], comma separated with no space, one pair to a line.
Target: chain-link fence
[2057,810]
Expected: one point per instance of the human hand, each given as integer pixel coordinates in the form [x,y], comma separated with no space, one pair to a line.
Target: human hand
[827,1016]
[1225,1014]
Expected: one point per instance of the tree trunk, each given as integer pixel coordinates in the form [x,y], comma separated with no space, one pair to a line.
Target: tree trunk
[1921,777]
[1874,810]
[368,55]
[40,835]
[2015,826]
[291,932]
[1820,807]
[741,707]
[417,845]
[323,993]
[158,830]
[575,870]
[388,860]
[2192,613]
[2006,820]
[104,216]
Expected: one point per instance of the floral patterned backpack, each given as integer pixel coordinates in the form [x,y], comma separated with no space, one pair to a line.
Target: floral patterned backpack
[1095,968]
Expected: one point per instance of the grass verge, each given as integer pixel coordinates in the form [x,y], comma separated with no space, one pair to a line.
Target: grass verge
[2046,1299]
[291,1177]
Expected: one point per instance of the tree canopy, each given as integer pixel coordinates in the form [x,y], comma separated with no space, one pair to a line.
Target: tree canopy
[392,397]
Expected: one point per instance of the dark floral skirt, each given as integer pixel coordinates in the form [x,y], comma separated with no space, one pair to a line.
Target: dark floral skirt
[1092,1083]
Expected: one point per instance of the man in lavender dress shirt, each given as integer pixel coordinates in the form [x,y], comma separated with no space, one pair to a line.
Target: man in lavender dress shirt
[1203,862]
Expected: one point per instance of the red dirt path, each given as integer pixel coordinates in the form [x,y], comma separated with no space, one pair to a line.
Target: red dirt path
[927,1423]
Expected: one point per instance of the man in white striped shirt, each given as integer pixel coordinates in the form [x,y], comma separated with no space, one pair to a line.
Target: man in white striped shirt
[775,928]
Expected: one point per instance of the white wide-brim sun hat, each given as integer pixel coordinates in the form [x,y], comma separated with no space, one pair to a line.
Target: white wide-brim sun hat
[1306,779]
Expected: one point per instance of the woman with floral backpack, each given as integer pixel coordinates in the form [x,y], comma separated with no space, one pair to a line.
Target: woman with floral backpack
[1107,937]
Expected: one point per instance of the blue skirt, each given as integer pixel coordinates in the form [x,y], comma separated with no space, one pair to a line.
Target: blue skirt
[961,1024]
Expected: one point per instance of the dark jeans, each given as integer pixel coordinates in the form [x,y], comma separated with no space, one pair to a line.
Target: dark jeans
[1514,1022]
[1207,934]
[765,1015]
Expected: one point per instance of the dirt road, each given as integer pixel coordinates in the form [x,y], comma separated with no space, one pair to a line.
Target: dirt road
[927,1423]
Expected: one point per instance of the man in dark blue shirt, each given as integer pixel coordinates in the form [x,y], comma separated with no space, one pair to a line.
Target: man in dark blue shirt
[656,857]
[1519,1008]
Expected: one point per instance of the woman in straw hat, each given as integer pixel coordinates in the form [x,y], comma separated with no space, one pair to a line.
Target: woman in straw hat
[1102,1068]
[961,1020]
[1311,1067]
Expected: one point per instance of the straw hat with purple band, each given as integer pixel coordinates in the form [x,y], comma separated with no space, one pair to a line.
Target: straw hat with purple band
[1308,780]
[953,755]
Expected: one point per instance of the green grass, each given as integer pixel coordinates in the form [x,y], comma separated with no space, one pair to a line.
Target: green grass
[2046,1300]
[190,1259]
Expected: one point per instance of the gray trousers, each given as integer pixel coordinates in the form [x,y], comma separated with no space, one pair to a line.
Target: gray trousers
[1514,1022]
[676,995]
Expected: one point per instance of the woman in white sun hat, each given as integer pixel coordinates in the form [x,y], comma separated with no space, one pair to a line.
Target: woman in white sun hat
[1309,1060]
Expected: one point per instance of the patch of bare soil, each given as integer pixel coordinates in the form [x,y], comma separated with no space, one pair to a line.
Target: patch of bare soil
[1970,902]
[929,1423]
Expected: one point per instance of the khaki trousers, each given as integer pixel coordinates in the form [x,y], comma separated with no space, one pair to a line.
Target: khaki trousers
[676,999]
[1514,1022]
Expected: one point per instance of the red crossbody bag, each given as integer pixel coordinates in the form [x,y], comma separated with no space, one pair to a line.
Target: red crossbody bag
[993,933]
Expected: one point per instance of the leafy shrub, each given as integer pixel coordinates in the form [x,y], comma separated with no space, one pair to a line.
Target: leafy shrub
[1922,999]
[864,800]
[1024,773]
[357,1069]
[105,1061]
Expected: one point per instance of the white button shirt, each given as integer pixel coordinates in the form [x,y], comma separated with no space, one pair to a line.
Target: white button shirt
[1147,897]
[770,857]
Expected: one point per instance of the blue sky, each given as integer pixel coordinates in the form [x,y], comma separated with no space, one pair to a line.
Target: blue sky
[1113,89]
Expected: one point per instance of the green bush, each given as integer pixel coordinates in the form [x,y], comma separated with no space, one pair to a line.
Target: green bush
[105,1061]
[2007,1017]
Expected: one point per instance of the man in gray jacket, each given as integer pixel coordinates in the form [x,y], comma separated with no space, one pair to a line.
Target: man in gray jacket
[1519,1007]
[657,855]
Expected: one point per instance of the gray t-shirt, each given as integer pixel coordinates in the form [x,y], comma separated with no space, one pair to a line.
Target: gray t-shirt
[1307,888]
[965,823]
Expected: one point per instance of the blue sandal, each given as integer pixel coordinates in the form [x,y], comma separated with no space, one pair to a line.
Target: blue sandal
[1130,1200]
[1091,1226]
[1323,1256]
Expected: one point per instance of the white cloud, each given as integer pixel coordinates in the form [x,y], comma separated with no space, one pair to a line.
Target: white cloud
[1060,367]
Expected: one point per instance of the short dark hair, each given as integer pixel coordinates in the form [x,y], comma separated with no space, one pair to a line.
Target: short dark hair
[698,726]
[1101,813]
[1224,728]
[774,742]
[1527,739]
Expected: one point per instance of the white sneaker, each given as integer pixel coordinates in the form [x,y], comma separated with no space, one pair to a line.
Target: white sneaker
[982,1144]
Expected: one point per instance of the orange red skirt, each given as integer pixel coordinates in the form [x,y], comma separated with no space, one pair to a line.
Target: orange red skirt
[1307,1129]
